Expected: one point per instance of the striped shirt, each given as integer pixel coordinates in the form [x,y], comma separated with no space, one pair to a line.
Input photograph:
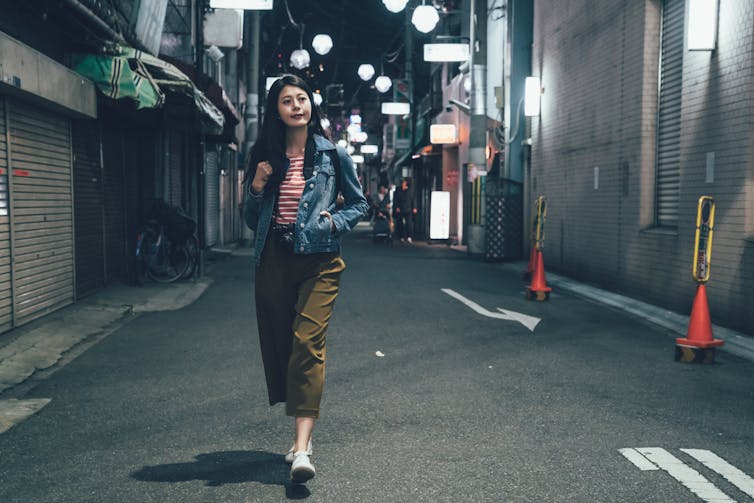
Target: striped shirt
[290,192]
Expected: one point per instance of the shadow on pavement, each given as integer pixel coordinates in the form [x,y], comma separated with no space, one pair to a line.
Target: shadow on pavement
[227,467]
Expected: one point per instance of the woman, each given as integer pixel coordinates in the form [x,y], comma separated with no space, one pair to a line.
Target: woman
[295,176]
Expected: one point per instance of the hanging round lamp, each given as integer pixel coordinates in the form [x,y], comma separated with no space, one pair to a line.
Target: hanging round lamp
[383,83]
[322,44]
[365,71]
[395,5]
[425,18]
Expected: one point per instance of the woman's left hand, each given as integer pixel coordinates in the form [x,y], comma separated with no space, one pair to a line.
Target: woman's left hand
[329,217]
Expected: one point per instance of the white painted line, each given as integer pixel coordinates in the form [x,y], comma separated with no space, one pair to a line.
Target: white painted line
[719,465]
[689,477]
[529,322]
[14,411]
[636,458]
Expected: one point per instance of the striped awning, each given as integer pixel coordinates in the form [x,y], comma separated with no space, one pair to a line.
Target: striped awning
[131,74]
[118,78]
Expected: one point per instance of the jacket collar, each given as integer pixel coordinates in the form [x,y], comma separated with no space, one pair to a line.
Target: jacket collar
[322,143]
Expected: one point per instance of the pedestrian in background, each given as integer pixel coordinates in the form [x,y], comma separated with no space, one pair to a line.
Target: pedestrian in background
[294,177]
[405,209]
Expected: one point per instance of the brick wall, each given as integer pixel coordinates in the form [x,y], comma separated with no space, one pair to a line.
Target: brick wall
[598,62]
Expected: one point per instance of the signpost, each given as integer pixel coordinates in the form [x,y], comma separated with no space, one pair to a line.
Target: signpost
[699,345]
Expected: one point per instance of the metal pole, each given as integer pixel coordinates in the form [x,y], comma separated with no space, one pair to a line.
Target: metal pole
[199,54]
[251,114]
[477,121]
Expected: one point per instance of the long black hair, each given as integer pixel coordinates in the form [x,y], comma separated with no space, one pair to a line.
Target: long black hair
[270,144]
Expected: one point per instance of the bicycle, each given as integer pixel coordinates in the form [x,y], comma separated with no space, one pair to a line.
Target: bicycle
[157,258]
[166,247]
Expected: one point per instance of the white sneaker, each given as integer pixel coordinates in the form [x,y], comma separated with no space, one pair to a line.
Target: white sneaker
[302,468]
[289,454]
[409,240]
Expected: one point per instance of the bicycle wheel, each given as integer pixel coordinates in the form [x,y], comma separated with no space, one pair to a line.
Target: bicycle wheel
[143,249]
[171,265]
[192,248]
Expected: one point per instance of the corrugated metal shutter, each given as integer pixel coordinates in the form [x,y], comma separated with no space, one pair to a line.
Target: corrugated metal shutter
[88,208]
[6,290]
[669,118]
[41,205]
[212,196]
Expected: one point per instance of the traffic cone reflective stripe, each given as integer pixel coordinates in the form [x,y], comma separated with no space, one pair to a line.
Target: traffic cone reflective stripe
[532,263]
[538,290]
[699,334]
[698,346]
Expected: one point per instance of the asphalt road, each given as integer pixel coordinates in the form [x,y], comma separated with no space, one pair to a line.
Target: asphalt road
[455,407]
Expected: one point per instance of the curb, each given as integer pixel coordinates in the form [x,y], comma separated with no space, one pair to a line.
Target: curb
[736,343]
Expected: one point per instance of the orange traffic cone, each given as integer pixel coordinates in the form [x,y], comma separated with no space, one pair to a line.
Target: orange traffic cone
[538,290]
[699,345]
[532,263]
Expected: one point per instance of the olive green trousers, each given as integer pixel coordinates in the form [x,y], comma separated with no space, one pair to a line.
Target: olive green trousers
[295,296]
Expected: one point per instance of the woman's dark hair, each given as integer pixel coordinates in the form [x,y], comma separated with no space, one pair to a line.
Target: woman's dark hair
[270,144]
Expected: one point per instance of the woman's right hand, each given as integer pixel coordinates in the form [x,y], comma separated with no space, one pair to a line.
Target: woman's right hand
[262,174]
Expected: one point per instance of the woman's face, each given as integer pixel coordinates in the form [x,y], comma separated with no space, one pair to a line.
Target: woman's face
[294,107]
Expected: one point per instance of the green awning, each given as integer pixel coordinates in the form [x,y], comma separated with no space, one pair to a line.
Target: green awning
[118,78]
[132,74]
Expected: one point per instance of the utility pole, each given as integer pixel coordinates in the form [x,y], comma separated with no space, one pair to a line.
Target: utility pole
[251,112]
[478,119]
[199,62]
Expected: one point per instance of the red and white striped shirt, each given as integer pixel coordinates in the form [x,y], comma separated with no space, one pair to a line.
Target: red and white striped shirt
[290,192]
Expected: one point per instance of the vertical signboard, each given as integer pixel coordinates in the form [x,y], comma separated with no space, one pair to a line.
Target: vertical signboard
[439,215]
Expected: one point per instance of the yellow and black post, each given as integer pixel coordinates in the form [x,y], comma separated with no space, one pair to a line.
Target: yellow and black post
[699,345]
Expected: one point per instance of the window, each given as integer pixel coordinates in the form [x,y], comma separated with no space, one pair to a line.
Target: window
[669,114]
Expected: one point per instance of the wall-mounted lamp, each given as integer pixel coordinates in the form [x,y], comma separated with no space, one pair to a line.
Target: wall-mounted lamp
[532,92]
[441,134]
[702,29]
[241,4]
[446,52]
[395,108]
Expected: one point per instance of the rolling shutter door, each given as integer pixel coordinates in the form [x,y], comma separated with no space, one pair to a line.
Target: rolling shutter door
[212,208]
[42,212]
[88,201]
[669,119]
[6,291]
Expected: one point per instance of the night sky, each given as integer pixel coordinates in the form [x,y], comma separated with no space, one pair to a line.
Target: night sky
[362,32]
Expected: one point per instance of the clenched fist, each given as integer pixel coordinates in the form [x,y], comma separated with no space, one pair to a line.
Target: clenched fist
[264,170]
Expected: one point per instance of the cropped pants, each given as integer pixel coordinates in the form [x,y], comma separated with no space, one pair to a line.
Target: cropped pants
[295,295]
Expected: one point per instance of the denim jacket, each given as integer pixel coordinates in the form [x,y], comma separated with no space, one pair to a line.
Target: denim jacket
[313,231]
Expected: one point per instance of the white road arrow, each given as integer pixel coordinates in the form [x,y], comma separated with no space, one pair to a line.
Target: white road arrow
[529,322]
